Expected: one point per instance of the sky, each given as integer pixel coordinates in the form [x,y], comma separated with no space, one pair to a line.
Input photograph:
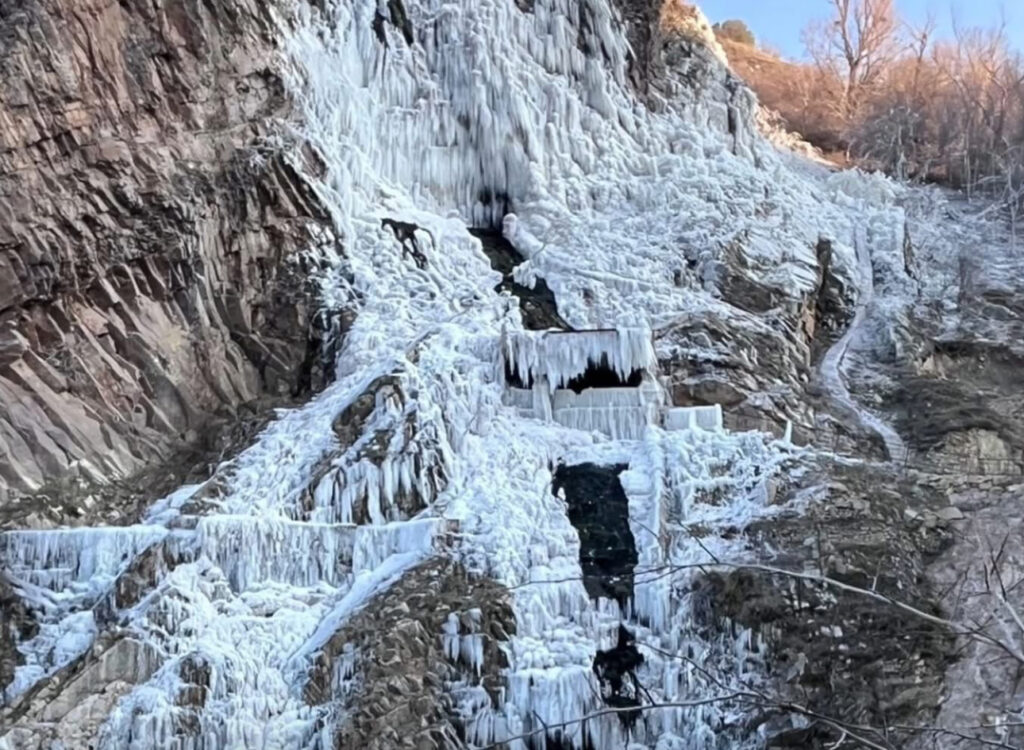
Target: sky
[777,23]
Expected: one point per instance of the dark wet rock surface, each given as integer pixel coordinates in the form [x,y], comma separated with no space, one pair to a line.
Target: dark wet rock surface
[16,624]
[538,306]
[929,410]
[599,510]
[840,653]
[616,671]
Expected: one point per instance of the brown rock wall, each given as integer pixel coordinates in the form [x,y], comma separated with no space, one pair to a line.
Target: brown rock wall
[150,231]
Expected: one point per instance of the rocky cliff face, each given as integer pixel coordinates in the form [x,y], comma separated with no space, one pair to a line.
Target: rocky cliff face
[404,547]
[152,231]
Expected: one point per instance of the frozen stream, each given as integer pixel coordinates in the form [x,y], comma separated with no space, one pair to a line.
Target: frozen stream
[832,364]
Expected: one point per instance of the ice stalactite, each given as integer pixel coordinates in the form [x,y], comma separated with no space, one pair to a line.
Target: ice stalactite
[405,477]
[63,559]
[620,413]
[59,640]
[555,358]
[64,575]
[252,549]
[466,648]
[558,368]
[688,417]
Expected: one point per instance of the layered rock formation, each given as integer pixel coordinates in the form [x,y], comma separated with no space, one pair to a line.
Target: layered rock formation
[152,232]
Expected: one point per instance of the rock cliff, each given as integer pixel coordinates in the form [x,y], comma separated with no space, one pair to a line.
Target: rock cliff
[412,546]
[153,229]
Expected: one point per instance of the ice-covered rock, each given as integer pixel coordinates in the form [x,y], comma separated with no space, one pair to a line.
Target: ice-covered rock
[429,118]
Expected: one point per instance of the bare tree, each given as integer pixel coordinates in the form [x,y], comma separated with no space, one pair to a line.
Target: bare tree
[855,46]
[892,129]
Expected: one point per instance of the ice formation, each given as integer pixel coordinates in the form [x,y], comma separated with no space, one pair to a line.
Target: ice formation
[65,575]
[490,101]
[547,361]
[553,358]
[689,417]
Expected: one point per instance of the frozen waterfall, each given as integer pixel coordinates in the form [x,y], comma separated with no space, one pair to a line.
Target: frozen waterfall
[493,107]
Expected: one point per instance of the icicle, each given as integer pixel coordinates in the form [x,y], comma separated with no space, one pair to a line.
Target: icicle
[694,417]
[621,413]
[252,549]
[450,637]
[374,544]
[559,357]
[57,559]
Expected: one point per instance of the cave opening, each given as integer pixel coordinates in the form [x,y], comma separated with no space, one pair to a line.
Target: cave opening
[498,204]
[602,375]
[599,375]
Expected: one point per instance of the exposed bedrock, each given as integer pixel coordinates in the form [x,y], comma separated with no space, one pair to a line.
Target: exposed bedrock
[960,406]
[393,667]
[674,56]
[151,230]
[842,655]
[538,305]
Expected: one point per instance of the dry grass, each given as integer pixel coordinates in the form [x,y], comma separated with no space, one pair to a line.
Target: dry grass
[679,17]
[795,91]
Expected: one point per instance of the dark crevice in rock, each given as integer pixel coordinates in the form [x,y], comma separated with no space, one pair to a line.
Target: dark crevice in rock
[398,18]
[599,510]
[598,376]
[317,369]
[833,305]
[489,197]
[616,671]
[16,625]
[514,380]
[538,305]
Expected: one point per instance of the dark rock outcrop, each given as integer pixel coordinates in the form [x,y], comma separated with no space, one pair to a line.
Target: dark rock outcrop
[599,510]
[538,305]
[16,624]
[401,668]
[841,654]
[151,231]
